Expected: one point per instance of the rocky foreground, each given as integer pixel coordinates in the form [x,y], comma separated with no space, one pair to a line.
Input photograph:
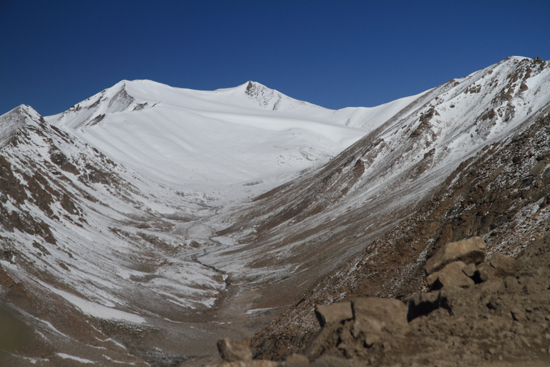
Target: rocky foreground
[477,311]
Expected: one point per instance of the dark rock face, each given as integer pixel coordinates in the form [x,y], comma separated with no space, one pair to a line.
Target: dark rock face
[63,162]
[32,189]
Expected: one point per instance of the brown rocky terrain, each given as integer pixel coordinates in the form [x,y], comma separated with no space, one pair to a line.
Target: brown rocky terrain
[500,194]
[501,317]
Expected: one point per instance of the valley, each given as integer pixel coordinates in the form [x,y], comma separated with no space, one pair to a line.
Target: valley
[146,222]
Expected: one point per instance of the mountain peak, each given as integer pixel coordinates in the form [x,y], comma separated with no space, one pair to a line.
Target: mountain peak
[268,98]
[24,110]
[14,120]
[92,110]
[251,86]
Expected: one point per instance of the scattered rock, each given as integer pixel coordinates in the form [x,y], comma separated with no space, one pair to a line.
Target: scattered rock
[233,351]
[468,251]
[335,312]
[495,311]
[451,275]
[375,314]
[485,272]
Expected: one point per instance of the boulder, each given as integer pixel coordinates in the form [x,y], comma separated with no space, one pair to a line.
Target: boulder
[335,312]
[328,336]
[233,351]
[485,272]
[491,286]
[469,270]
[503,265]
[296,360]
[372,315]
[451,275]
[468,251]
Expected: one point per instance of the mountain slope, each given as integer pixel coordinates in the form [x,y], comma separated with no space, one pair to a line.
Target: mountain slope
[88,250]
[396,166]
[489,108]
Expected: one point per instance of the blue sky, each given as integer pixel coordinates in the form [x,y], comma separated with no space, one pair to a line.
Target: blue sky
[336,54]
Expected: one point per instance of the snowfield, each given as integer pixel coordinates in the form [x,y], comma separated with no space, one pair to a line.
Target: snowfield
[216,142]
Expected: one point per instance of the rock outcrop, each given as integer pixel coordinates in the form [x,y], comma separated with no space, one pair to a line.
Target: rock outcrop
[499,317]
[471,250]
[336,312]
[454,275]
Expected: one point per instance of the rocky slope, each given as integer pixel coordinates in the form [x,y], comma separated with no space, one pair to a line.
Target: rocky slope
[479,312]
[501,193]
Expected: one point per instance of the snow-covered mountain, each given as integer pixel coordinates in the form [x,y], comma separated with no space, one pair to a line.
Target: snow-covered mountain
[147,221]
[106,207]
[212,142]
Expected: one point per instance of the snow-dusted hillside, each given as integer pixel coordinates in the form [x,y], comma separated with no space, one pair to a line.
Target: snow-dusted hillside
[127,230]
[471,159]
[299,231]
[107,207]
[96,242]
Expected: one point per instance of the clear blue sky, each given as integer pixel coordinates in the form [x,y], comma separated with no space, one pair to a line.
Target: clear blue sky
[54,54]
